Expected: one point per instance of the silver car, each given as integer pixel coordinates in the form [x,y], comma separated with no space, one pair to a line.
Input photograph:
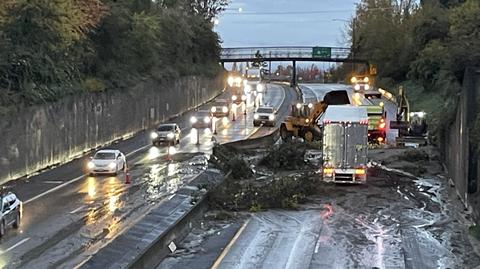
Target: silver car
[106,161]
[11,212]
[168,133]
[201,119]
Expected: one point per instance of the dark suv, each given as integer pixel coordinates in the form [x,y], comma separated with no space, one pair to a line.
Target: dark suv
[11,212]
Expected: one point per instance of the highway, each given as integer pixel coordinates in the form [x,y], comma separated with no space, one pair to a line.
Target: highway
[68,215]
[316,92]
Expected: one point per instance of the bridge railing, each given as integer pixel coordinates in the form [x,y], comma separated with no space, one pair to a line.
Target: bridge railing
[279,52]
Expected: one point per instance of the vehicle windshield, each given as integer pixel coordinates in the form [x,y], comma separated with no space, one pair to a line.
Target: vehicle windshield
[165,128]
[202,114]
[265,110]
[104,156]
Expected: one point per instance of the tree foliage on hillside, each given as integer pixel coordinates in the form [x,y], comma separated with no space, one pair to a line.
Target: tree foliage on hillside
[51,48]
[426,44]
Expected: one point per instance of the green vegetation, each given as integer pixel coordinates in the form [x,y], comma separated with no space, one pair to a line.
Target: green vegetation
[426,47]
[53,48]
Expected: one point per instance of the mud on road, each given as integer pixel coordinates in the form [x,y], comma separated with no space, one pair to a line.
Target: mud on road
[406,216]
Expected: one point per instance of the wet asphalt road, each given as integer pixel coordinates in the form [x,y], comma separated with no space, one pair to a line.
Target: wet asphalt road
[316,92]
[396,220]
[67,212]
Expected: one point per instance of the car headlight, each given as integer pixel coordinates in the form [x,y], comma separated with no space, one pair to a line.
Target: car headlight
[154,135]
[244,97]
[256,116]
[170,135]
[234,98]
[260,88]
[112,165]
[90,165]
[193,120]
[224,109]
[214,109]
[271,117]
[357,87]
[367,87]
[206,120]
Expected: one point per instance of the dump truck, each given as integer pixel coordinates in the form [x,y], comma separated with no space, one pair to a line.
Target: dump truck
[376,123]
[302,121]
[345,144]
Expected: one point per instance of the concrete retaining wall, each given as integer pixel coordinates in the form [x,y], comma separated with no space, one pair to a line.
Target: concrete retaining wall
[49,134]
[460,153]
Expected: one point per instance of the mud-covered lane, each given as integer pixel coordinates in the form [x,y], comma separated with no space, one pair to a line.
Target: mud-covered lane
[396,220]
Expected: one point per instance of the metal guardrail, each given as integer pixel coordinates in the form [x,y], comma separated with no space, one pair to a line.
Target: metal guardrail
[271,53]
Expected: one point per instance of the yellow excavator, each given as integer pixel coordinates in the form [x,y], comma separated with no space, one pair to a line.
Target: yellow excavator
[302,122]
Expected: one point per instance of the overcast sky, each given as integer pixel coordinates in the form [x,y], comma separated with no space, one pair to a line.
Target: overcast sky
[268,22]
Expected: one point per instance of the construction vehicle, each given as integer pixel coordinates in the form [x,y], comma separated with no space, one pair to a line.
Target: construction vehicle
[412,126]
[345,144]
[303,120]
[376,124]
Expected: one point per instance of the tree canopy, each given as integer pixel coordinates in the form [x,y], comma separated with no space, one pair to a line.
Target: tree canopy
[51,48]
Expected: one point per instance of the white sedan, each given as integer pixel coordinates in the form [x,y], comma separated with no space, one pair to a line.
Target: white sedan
[107,161]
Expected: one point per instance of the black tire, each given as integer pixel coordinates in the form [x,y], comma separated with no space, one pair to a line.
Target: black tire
[2,228]
[16,224]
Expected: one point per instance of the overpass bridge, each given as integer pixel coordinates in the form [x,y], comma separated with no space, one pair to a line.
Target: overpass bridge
[289,53]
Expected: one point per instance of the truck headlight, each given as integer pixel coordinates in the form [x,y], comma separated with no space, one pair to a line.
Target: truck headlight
[256,116]
[112,165]
[207,120]
[357,87]
[154,135]
[224,109]
[214,109]
[193,120]
[90,165]
[271,117]
[170,135]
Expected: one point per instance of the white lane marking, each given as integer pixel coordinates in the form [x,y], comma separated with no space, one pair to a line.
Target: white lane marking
[137,150]
[317,245]
[53,189]
[76,210]
[229,246]
[14,246]
[171,196]
[53,181]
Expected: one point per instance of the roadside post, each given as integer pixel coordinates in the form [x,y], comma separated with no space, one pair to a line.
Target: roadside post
[127,174]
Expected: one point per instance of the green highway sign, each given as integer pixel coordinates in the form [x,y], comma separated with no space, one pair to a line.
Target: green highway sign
[321,52]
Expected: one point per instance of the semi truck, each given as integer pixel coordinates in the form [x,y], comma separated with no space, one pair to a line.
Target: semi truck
[345,144]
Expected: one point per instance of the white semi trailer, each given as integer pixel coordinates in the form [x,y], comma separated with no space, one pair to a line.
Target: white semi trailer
[345,144]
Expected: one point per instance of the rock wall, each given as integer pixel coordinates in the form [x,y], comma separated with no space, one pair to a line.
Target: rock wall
[45,135]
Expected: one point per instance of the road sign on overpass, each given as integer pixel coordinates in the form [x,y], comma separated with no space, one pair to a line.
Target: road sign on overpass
[322,52]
